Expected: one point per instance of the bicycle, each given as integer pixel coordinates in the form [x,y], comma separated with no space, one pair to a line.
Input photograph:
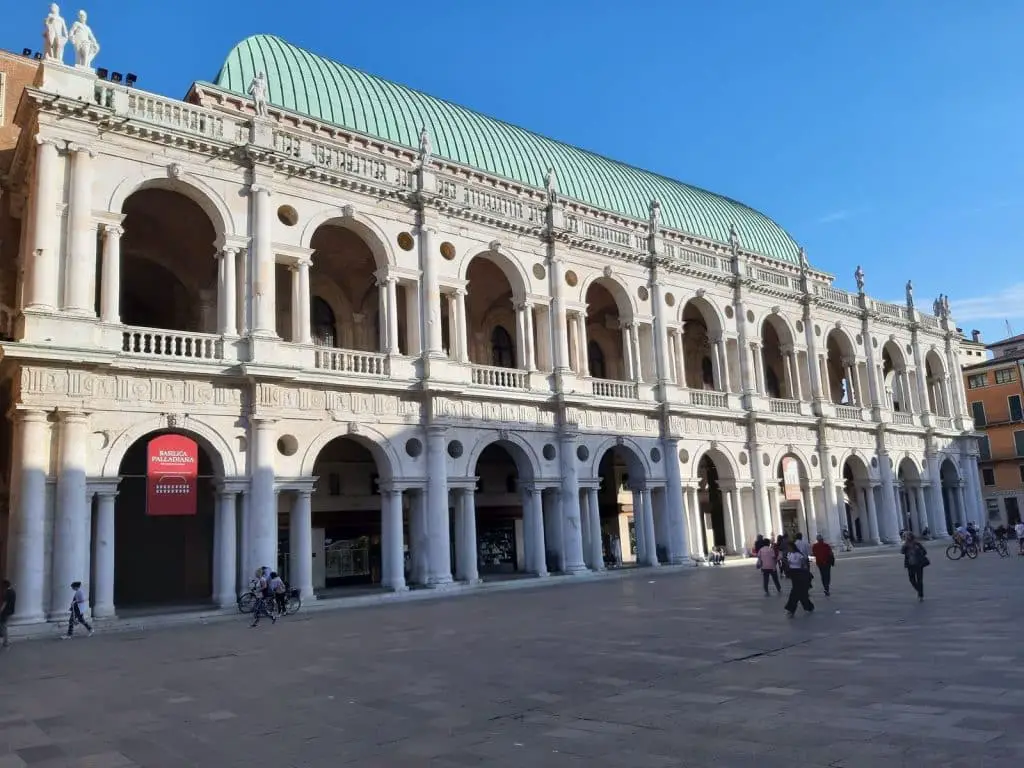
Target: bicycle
[958,549]
[292,602]
[1001,548]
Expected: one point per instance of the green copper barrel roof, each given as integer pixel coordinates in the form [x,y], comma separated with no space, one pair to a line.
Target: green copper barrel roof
[303,82]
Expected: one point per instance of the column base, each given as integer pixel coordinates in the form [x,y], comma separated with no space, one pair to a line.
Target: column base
[109,612]
[575,570]
[224,601]
[679,560]
[439,582]
[396,590]
[472,582]
[541,574]
[35,618]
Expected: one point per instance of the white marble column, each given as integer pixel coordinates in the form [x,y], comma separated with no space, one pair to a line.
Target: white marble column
[69,548]
[466,559]
[650,537]
[966,514]
[788,373]
[27,525]
[531,352]
[723,365]
[535,525]
[80,263]
[45,266]
[596,542]
[103,555]
[776,508]
[757,356]
[300,544]
[674,507]
[810,514]
[850,373]
[305,329]
[392,316]
[438,518]
[227,285]
[664,370]
[430,295]
[244,565]
[264,301]
[418,545]
[263,498]
[680,359]
[733,541]
[569,512]
[873,529]
[225,548]
[891,522]
[627,353]
[391,540]
[922,509]
[737,509]
[634,350]
[110,278]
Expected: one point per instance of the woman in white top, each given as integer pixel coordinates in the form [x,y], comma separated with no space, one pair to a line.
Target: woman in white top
[79,605]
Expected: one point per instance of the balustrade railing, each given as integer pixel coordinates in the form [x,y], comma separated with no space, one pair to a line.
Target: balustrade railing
[706,398]
[153,342]
[351,361]
[906,419]
[621,390]
[944,422]
[834,295]
[850,412]
[177,115]
[502,378]
[778,405]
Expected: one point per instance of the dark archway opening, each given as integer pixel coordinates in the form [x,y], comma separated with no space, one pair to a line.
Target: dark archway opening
[161,560]
[346,517]
[500,535]
[712,510]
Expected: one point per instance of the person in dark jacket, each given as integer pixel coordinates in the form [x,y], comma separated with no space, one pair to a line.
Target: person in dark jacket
[7,605]
[915,560]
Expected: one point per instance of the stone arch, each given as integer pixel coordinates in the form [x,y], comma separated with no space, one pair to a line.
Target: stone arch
[727,466]
[895,354]
[859,465]
[844,341]
[373,440]
[949,469]
[216,446]
[840,359]
[777,344]
[193,187]
[505,260]
[713,318]
[796,452]
[517,446]
[635,456]
[781,325]
[618,290]
[340,304]
[365,227]
[934,363]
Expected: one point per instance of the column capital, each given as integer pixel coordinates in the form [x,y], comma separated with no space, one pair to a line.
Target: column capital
[104,487]
[43,141]
[112,230]
[849,362]
[73,417]
[30,415]
[258,188]
[81,149]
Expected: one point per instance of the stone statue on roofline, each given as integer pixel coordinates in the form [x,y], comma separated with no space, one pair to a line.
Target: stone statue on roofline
[804,265]
[910,294]
[55,34]
[426,150]
[86,45]
[551,185]
[734,238]
[654,217]
[258,91]
[858,275]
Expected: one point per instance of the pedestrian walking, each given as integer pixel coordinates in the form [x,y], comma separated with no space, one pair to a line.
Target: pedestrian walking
[79,605]
[915,560]
[824,558]
[1019,530]
[10,599]
[799,572]
[767,563]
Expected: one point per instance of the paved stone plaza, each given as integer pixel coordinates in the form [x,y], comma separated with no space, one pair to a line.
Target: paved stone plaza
[653,669]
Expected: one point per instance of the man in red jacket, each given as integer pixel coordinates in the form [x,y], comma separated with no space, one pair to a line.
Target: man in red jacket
[825,558]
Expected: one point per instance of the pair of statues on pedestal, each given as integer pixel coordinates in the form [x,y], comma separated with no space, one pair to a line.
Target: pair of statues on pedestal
[56,35]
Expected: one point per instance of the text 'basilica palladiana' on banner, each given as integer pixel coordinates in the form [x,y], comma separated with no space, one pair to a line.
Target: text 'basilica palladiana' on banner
[172,473]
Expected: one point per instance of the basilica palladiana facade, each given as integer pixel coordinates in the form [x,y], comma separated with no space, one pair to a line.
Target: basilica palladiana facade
[416,346]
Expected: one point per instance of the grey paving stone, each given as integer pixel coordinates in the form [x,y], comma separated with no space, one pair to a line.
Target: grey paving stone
[696,669]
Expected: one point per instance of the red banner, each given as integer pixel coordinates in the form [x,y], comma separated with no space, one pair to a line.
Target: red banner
[172,473]
[791,478]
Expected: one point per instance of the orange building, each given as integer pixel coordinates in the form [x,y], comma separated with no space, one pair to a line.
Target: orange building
[995,395]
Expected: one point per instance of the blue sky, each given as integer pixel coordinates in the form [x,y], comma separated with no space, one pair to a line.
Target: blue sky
[881,132]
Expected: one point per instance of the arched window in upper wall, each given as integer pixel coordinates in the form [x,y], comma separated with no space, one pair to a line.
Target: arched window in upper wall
[596,356]
[503,353]
[324,328]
